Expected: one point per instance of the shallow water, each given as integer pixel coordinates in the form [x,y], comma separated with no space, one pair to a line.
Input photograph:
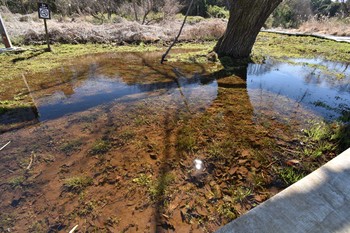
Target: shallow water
[166,146]
[300,84]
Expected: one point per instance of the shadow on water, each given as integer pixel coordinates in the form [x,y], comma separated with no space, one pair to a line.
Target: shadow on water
[161,223]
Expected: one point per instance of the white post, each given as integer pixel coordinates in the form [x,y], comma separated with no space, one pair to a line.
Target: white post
[4,36]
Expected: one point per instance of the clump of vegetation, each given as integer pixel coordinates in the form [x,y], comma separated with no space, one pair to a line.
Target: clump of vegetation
[100,147]
[221,150]
[241,194]
[156,189]
[322,138]
[112,221]
[186,140]
[71,146]
[127,135]
[77,184]
[141,120]
[318,131]
[87,208]
[228,211]
[143,180]
[290,175]
[218,12]
[6,221]
[37,226]
[17,182]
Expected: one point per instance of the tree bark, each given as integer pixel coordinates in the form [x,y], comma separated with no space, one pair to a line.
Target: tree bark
[246,20]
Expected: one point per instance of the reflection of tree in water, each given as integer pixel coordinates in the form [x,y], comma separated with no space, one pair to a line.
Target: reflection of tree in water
[319,77]
[326,73]
[261,69]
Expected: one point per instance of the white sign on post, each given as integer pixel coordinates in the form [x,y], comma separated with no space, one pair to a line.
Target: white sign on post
[44,11]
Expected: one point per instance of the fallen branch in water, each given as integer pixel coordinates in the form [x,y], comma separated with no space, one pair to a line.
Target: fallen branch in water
[5,145]
[29,91]
[178,35]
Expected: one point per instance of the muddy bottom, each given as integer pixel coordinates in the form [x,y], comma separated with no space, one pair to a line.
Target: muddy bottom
[120,143]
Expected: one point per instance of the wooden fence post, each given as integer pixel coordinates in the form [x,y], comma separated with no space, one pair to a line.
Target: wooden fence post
[4,36]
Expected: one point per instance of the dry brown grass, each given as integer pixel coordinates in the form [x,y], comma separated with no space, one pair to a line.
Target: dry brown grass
[28,29]
[205,30]
[329,26]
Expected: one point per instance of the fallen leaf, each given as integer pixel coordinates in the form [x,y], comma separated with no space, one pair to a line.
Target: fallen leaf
[292,162]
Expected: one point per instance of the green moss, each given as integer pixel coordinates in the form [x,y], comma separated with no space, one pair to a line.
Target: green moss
[281,46]
[34,59]
[8,105]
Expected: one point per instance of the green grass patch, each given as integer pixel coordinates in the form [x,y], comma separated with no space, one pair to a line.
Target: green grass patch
[290,175]
[284,46]
[77,184]
[100,147]
[35,60]
[186,140]
[69,147]
[17,182]
[157,189]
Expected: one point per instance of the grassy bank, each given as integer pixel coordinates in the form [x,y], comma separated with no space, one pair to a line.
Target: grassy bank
[35,59]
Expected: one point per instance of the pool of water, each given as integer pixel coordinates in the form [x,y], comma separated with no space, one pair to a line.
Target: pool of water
[274,83]
[120,142]
[318,89]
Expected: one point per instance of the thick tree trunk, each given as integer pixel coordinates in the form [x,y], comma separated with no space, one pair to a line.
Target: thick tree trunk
[246,20]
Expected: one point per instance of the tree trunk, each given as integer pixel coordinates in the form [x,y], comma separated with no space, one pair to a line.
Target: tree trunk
[135,11]
[246,20]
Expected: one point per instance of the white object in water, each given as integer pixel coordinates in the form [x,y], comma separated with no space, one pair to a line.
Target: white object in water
[198,164]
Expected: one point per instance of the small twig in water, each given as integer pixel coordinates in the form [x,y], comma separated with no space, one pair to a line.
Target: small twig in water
[32,156]
[10,170]
[5,145]
[71,231]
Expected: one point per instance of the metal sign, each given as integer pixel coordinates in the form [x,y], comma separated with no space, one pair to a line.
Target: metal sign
[44,11]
